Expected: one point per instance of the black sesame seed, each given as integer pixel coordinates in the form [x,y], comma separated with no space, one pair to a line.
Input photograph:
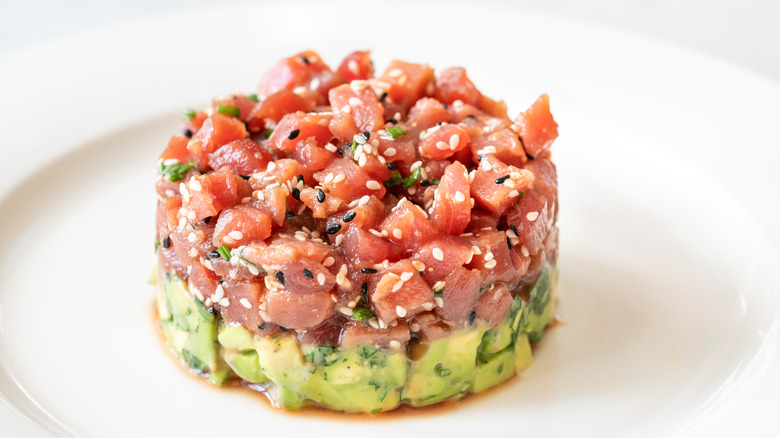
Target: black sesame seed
[212,311]
[246,177]
[500,228]
[444,105]
[308,274]
[364,291]
[393,121]
[167,242]
[383,96]
[438,123]
[500,180]
[280,277]
[340,151]
[293,134]
[289,215]
[284,329]
[424,183]
[333,228]
[508,243]
[300,177]
[320,195]
[187,133]
[207,220]
[296,192]
[366,135]
[471,116]
[530,157]
[262,326]
[422,274]
[479,158]
[220,281]
[305,60]
[213,255]
[472,317]
[514,228]
[368,271]
[521,141]
[349,216]
[391,166]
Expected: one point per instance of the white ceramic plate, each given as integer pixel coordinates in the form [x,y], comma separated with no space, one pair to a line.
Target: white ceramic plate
[667,246]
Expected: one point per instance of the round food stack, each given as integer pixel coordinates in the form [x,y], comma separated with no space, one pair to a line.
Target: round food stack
[358,242]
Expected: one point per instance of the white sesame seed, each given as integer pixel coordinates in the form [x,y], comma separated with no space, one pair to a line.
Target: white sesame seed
[489,256]
[476,250]
[339,239]
[400,311]
[224,302]
[171,162]
[491,264]
[346,109]
[439,301]
[328,178]
[330,148]
[192,237]
[373,185]
[315,83]
[395,72]
[236,235]
[514,193]
[364,200]
[454,141]
[195,185]
[185,194]
[339,178]
[193,252]
[406,276]
[415,165]
[397,233]
[420,266]
[524,250]
[510,234]
[375,232]
[487,166]
[219,293]
[321,278]
[427,305]
[531,216]
[354,101]
[300,237]
[438,254]
[439,285]
[442,145]
[402,80]
[395,344]
[170,193]
[415,327]
[328,262]
[253,269]
[460,197]
[271,166]
[346,311]
[398,285]
[362,160]
[390,152]
[381,159]
[244,302]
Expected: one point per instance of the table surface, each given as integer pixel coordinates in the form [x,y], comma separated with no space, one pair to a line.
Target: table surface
[744,32]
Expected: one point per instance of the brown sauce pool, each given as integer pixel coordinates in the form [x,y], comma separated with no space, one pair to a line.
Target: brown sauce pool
[403,410]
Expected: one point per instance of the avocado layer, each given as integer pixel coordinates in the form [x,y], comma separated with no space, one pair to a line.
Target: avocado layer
[361,378]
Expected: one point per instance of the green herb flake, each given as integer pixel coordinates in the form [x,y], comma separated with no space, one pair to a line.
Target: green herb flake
[319,355]
[192,361]
[435,182]
[175,172]
[189,114]
[362,314]
[441,371]
[253,97]
[267,133]
[395,132]
[411,179]
[366,351]
[438,293]
[394,180]
[229,110]
[224,251]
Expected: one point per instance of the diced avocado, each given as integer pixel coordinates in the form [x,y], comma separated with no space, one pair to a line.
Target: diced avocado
[523,356]
[497,369]
[541,305]
[236,338]
[497,339]
[282,361]
[246,365]
[446,369]
[190,330]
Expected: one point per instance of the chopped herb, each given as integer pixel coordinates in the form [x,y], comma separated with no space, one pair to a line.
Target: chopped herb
[224,251]
[308,274]
[365,351]
[293,134]
[319,355]
[441,371]
[376,411]
[296,193]
[411,179]
[383,96]
[500,180]
[435,182]
[187,133]
[522,193]
[192,361]
[280,277]
[395,180]
[320,195]
[166,243]
[253,97]
[438,293]
[500,368]
[267,133]
[368,271]
[472,317]
[229,110]
[395,131]
[189,114]
[362,314]
[175,172]
[333,228]
[349,216]
[156,245]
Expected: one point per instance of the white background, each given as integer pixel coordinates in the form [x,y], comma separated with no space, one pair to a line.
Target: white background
[745,32]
